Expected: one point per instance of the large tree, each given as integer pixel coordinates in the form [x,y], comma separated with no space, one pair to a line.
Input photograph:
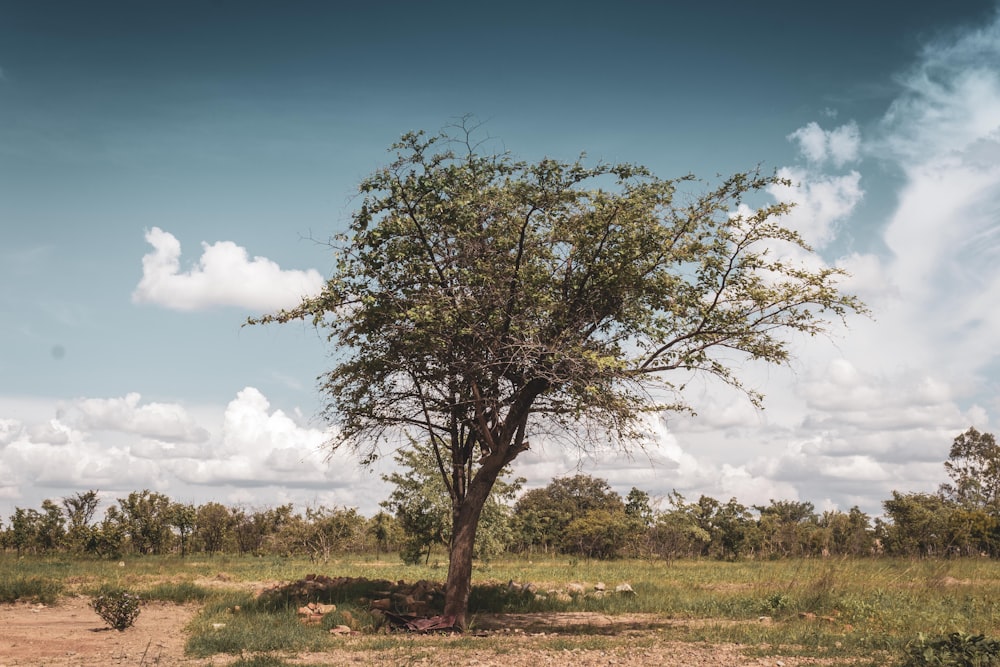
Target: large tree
[479,300]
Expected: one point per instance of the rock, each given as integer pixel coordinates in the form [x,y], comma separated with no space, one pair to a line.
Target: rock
[624,589]
[385,604]
[599,586]
[340,630]
[575,589]
[218,626]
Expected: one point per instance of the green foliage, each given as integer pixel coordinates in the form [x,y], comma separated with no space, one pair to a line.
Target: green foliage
[117,607]
[974,467]
[954,650]
[542,516]
[598,534]
[420,502]
[145,517]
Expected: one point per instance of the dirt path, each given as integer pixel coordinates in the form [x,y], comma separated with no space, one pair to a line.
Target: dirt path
[70,634]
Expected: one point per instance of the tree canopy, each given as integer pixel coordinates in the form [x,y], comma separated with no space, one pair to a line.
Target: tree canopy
[478,299]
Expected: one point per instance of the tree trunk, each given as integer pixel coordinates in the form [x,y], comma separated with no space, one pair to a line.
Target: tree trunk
[459,583]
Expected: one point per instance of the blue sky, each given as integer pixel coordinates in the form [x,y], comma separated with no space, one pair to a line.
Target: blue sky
[233,133]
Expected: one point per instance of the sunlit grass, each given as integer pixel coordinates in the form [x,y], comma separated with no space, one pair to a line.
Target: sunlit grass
[819,607]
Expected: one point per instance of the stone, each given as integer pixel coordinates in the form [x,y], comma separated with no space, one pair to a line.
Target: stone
[624,589]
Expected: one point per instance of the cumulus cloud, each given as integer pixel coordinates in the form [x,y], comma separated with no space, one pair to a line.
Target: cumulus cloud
[224,276]
[120,445]
[838,146]
[820,202]
[163,421]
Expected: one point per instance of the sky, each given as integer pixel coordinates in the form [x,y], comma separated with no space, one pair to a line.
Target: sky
[168,169]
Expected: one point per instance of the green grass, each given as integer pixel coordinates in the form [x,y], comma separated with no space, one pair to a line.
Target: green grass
[29,589]
[833,608]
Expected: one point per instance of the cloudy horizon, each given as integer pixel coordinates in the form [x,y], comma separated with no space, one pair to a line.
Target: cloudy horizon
[147,215]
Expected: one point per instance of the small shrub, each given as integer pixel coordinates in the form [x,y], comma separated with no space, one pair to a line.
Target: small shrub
[118,608]
[955,650]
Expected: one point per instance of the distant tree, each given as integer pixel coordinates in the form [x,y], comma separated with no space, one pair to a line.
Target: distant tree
[420,504]
[974,468]
[598,533]
[146,519]
[51,529]
[847,533]
[638,508]
[80,509]
[111,536]
[327,530]
[479,299]
[920,524]
[23,530]
[541,516]
[381,528]
[255,530]
[731,526]
[183,517]
[679,530]
[213,526]
[785,527]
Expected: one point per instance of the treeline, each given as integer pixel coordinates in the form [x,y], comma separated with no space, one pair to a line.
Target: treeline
[580,515]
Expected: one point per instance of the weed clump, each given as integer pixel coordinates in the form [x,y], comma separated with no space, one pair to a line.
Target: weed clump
[118,608]
[954,650]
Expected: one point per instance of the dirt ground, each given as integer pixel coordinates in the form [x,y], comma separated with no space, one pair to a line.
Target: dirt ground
[71,634]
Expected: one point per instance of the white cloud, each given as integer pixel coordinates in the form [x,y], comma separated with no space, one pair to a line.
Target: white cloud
[224,276]
[163,421]
[840,145]
[119,445]
[820,201]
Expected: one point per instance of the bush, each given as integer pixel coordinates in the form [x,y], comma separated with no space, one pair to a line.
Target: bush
[118,608]
[956,650]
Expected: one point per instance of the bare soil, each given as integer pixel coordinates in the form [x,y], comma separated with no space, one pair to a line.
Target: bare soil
[71,634]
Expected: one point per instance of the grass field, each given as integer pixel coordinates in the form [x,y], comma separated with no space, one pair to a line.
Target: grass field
[850,609]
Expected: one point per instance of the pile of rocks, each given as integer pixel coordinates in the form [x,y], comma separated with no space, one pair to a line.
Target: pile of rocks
[571,591]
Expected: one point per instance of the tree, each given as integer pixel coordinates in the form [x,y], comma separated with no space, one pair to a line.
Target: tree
[51,527]
[213,524]
[146,519]
[479,301]
[381,528]
[184,518]
[974,467]
[80,510]
[419,501]
[637,507]
[543,515]
[679,530]
[23,529]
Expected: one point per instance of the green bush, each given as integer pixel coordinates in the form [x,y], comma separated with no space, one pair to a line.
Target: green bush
[955,650]
[118,608]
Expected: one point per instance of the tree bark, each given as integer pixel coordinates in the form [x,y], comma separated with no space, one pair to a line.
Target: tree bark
[459,583]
